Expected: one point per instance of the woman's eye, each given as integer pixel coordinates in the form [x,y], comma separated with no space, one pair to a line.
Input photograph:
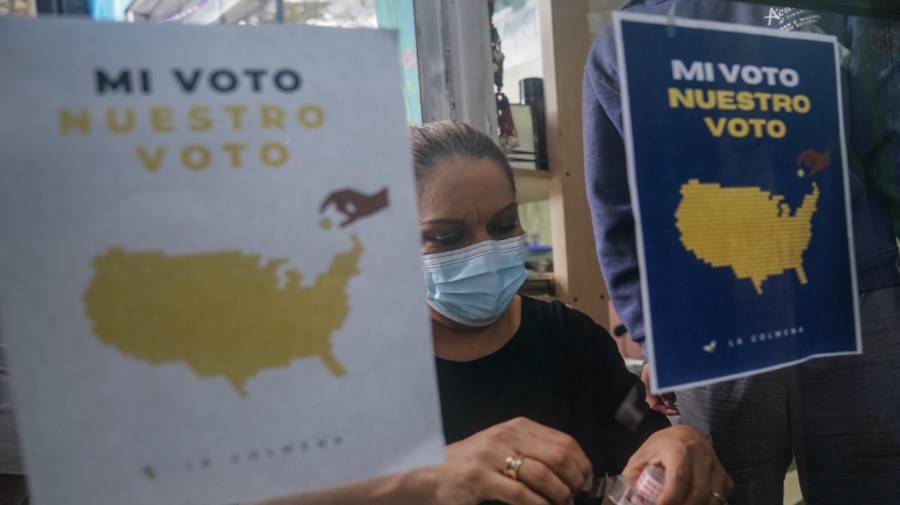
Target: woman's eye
[504,229]
[443,240]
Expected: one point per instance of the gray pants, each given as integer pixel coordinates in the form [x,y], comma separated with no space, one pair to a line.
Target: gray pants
[840,418]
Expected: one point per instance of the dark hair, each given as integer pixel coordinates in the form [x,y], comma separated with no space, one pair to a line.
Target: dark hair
[442,140]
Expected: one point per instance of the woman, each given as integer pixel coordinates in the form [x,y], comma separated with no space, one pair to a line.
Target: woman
[529,390]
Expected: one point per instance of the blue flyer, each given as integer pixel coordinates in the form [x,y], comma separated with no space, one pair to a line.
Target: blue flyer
[738,175]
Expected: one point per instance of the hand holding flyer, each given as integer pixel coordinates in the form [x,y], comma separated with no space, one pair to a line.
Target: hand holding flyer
[741,207]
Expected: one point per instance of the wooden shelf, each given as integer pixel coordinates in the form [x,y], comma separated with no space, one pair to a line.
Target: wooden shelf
[565,41]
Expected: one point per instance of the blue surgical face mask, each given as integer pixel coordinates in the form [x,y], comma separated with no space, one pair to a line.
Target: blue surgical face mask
[474,285]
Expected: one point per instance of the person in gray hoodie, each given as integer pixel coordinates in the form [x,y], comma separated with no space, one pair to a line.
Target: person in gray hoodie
[832,414]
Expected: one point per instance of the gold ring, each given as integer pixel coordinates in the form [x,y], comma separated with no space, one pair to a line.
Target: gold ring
[721,499]
[513,463]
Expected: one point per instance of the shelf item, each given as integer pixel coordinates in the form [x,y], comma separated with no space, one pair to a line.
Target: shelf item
[538,285]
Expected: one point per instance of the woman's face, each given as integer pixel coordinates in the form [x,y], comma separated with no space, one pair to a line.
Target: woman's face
[464,202]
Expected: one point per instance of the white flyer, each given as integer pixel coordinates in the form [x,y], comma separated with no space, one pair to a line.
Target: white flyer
[209,267]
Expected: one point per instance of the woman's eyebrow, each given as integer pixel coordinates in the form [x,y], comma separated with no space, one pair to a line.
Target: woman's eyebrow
[506,210]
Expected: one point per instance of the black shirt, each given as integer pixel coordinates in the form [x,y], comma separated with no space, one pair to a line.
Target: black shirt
[560,369]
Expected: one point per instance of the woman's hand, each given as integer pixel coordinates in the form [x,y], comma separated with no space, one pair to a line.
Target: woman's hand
[664,403]
[553,467]
[694,475]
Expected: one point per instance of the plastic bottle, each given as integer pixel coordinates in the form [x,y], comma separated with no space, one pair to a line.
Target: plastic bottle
[646,491]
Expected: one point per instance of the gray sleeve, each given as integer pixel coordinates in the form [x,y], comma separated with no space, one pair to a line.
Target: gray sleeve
[10,453]
[606,180]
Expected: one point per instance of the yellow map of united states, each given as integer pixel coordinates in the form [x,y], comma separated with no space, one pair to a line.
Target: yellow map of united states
[747,229]
[221,313]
